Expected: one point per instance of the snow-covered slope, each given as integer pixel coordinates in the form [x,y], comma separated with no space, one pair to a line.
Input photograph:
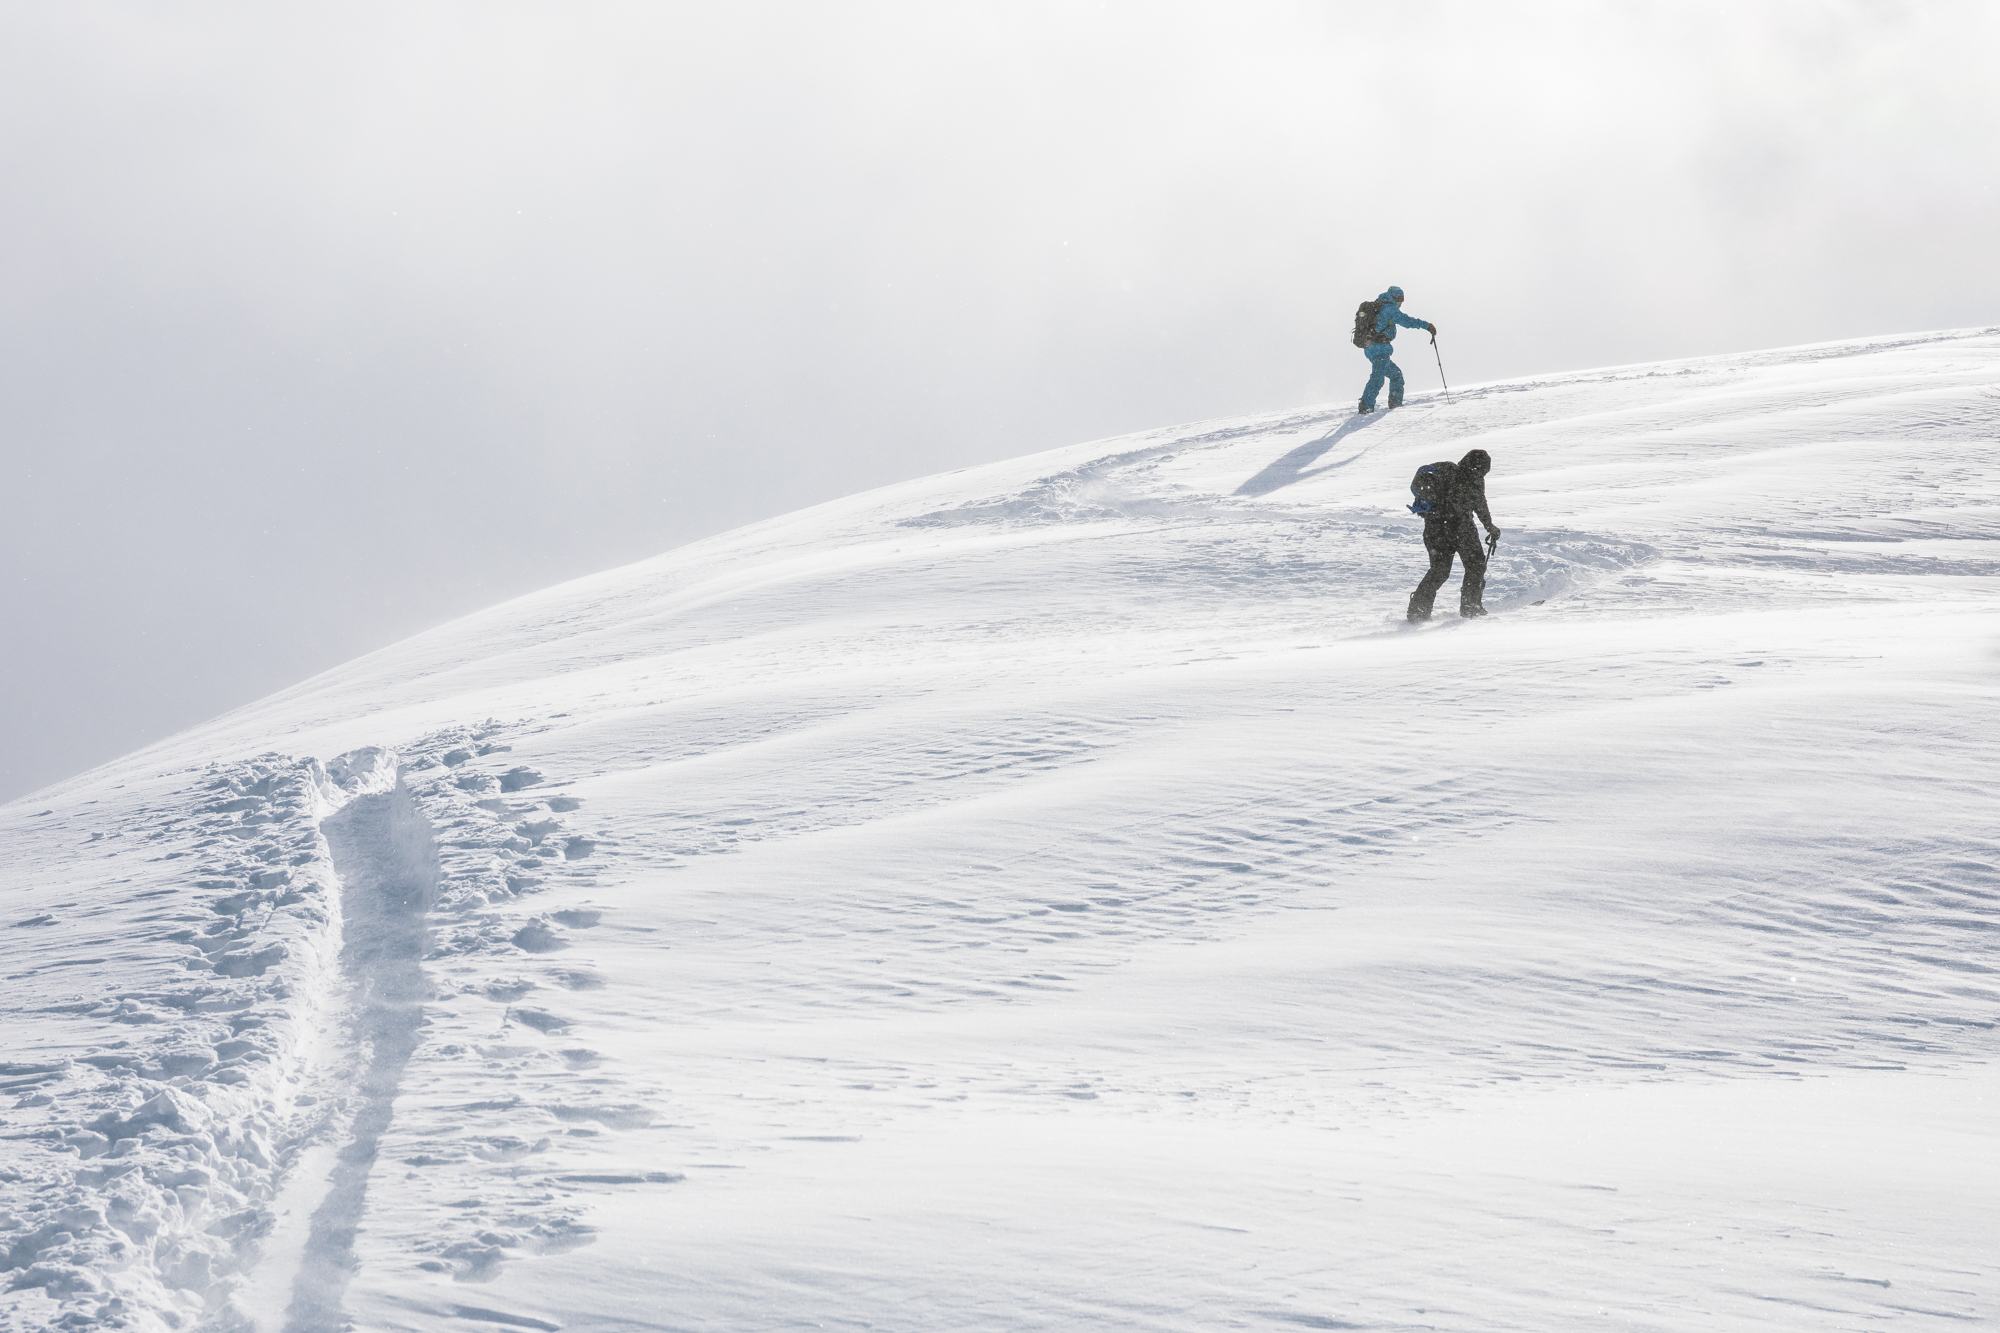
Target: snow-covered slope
[1062,894]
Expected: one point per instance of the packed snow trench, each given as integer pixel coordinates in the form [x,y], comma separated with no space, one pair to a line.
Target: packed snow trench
[1064,894]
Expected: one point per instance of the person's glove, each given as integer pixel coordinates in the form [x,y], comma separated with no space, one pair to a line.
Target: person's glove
[1433,328]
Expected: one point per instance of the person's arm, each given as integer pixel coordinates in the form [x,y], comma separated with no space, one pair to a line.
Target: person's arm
[1395,312]
[1479,507]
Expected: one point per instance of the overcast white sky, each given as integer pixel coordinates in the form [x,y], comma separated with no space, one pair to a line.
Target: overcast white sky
[321,325]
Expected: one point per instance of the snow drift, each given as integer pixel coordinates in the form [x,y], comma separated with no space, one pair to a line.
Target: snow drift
[1062,894]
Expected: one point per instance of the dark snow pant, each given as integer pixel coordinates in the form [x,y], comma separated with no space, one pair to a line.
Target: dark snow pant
[1444,538]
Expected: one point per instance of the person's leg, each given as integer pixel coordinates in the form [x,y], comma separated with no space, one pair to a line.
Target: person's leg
[1472,588]
[1437,542]
[1395,380]
[1378,355]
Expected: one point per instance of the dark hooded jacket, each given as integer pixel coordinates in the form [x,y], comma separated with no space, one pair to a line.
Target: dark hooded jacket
[1467,493]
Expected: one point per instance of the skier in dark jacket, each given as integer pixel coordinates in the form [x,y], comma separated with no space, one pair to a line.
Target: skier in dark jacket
[1386,319]
[1449,531]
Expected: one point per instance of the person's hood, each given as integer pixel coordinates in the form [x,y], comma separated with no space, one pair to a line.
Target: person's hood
[1393,294]
[1478,462]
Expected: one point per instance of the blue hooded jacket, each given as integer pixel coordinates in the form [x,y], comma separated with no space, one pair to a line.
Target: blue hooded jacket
[1392,314]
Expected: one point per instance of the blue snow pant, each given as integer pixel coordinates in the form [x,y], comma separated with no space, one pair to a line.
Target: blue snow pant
[1384,368]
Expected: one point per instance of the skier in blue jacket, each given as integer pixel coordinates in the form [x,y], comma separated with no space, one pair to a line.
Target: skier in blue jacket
[1386,319]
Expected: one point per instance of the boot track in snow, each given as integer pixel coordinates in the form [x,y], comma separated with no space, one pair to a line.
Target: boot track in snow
[387,864]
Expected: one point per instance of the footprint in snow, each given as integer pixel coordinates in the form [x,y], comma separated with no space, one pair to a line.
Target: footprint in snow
[539,936]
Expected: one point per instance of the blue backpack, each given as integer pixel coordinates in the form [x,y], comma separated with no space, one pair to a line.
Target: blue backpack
[1430,486]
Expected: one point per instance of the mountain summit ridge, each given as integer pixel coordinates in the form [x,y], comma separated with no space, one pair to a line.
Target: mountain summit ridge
[1063,893]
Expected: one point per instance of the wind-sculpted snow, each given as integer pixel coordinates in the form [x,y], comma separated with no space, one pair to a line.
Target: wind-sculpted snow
[1064,894]
[215,948]
[266,962]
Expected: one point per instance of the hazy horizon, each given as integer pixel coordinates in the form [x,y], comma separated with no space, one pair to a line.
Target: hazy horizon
[324,329]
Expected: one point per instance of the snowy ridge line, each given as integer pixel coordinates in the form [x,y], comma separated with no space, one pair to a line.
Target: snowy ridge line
[260,1047]
[1071,494]
[1804,353]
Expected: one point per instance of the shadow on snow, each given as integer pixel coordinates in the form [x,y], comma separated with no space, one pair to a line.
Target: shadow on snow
[1293,466]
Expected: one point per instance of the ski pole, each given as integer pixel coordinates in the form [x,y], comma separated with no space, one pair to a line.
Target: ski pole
[1434,352]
